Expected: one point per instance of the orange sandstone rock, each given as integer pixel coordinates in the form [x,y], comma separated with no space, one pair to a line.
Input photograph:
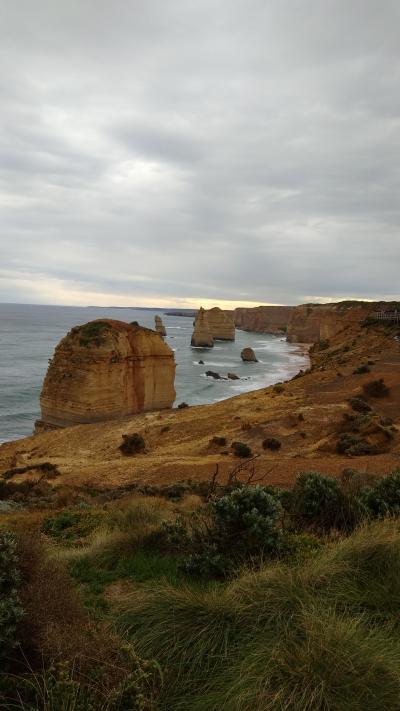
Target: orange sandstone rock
[202,336]
[160,328]
[263,319]
[106,370]
[314,322]
[221,324]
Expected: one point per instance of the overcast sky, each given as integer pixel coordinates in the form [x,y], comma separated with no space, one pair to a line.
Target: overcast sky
[177,152]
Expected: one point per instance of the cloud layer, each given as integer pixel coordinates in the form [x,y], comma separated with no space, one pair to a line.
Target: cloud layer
[171,152]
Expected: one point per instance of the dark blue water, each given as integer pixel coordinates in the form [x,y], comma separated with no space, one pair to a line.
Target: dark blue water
[30,333]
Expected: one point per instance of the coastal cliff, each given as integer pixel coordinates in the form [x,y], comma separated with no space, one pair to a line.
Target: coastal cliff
[310,323]
[221,324]
[308,415]
[263,319]
[106,370]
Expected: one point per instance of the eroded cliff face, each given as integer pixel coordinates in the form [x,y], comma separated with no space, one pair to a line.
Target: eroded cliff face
[311,323]
[202,336]
[106,370]
[221,324]
[263,319]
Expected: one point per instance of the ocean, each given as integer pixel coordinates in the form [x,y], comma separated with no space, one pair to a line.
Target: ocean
[30,333]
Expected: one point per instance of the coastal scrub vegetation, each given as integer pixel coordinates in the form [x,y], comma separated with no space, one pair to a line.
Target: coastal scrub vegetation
[229,595]
[93,333]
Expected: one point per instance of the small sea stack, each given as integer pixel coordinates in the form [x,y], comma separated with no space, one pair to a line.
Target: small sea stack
[202,336]
[105,370]
[248,355]
[160,328]
[221,323]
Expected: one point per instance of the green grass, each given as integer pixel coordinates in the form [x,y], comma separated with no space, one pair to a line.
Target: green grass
[317,636]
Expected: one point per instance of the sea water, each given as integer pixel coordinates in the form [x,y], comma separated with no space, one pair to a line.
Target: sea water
[30,333]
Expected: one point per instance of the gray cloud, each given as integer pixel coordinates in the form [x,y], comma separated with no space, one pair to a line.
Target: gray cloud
[243,151]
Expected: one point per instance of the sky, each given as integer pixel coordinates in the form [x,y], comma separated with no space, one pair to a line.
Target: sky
[187,152]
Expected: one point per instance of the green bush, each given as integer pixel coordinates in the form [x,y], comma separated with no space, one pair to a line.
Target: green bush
[318,501]
[376,388]
[240,449]
[278,388]
[354,446]
[10,607]
[92,333]
[245,522]
[233,529]
[383,499]
[132,444]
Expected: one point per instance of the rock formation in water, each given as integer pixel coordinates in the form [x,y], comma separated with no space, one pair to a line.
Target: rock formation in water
[221,323]
[202,336]
[106,370]
[263,319]
[248,355]
[160,328]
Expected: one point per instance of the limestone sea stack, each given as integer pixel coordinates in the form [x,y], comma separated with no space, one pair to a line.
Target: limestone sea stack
[160,328]
[221,323]
[202,336]
[106,370]
[248,355]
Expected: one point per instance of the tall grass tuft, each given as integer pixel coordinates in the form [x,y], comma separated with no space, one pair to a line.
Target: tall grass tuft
[301,637]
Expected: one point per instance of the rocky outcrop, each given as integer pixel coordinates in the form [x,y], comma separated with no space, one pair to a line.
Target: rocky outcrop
[221,323]
[263,319]
[160,328]
[310,323]
[202,336]
[248,355]
[106,370]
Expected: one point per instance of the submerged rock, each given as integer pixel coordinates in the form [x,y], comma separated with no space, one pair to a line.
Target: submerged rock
[105,370]
[212,374]
[248,355]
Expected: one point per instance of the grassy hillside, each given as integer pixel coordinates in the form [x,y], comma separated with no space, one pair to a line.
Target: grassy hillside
[241,597]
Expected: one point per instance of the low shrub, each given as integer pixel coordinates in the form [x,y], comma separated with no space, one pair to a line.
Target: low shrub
[358,404]
[220,441]
[354,446]
[132,444]
[318,502]
[362,369]
[93,333]
[73,526]
[272,443]
[278,388]
[240,449]
[376,388]
[383,498]
[246,521]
